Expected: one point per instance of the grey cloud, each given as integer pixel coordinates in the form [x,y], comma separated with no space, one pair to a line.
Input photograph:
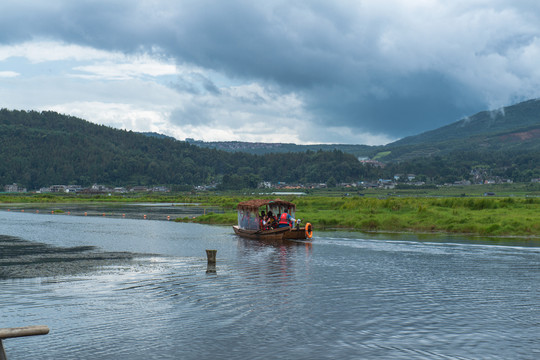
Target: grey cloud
[329,53]
[409,104]
[183,85]
[210,87]
[195,83]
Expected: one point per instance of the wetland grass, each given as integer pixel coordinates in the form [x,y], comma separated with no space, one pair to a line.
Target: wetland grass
[464,214]
[496,217]
[481,216]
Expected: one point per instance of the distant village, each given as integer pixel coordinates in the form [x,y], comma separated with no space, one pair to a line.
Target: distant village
[479,178]
[92,190]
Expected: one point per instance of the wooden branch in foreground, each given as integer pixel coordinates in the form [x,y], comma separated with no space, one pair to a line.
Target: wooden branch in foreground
[6,333]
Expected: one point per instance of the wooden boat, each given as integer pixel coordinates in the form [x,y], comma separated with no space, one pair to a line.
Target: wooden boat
[249,221]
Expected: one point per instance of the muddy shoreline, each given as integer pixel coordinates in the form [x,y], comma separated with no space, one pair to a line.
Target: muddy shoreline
[20,258]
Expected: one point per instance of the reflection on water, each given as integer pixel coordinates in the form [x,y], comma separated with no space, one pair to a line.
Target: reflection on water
[346,295]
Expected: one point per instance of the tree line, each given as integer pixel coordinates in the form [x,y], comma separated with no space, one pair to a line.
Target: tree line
[45,148]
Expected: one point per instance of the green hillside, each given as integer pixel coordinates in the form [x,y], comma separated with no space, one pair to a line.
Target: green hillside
[488,124]
[45,148]
[280,148]
[505,143]
[507,132]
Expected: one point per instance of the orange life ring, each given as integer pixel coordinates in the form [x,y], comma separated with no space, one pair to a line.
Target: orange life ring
[309,230]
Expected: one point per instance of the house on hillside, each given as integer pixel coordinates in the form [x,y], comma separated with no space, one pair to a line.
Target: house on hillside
[316,186]
[403,177]
[14,189]
[368,185]
[373,163]
[73,189]
[160,189]
[96,189]
[264,185]
[58,188]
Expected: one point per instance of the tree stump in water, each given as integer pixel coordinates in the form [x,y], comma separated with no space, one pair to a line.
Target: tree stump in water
[211,255]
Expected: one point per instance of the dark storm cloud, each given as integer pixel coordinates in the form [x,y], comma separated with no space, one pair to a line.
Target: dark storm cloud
[398,104]
[357,64]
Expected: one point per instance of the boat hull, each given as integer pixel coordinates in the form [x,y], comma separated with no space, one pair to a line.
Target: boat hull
[298,233]
[284,233]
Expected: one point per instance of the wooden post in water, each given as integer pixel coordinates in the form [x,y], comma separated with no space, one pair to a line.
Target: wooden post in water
[6,333]
[211,255]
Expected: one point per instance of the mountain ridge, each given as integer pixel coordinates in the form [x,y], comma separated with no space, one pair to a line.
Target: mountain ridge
[513,117]
[490,129]
[45,148]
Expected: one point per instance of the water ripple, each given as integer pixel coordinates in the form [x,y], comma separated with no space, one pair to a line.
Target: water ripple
[338,298]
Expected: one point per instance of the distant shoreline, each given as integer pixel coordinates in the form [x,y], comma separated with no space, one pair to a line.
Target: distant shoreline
[471,216]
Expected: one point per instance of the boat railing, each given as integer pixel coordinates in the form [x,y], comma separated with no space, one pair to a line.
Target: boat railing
[6,333]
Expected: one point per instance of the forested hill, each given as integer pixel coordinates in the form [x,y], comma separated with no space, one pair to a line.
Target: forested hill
[261,148]
[45,148]
[516,118]
[503,143]
[509,135]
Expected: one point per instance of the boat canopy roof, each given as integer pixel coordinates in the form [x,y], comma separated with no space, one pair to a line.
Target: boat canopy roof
[255,204]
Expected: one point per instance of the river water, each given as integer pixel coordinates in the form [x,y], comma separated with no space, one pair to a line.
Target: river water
[120,288]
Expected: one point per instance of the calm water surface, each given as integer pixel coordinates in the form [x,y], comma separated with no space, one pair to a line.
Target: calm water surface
[346,296]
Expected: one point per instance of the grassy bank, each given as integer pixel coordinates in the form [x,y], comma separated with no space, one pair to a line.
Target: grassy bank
[464,214]
[483,216]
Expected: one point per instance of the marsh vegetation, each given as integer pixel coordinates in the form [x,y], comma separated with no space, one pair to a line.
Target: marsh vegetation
[515,212]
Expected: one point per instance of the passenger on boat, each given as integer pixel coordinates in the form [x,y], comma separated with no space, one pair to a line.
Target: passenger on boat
[285,219]
[268,223]
[262,221]
[272,221]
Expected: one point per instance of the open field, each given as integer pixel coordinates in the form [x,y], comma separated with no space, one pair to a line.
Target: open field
[514,210]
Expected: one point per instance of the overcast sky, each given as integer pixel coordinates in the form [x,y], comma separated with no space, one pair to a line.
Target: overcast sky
[358,72]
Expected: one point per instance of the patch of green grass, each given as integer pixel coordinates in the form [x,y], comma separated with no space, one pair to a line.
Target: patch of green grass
[381,155]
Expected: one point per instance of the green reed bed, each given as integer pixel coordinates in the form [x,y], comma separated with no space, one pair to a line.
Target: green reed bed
[482,216]
[490,216]
[485,216]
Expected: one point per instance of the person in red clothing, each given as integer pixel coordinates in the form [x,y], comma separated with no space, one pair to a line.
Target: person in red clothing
[285,219]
